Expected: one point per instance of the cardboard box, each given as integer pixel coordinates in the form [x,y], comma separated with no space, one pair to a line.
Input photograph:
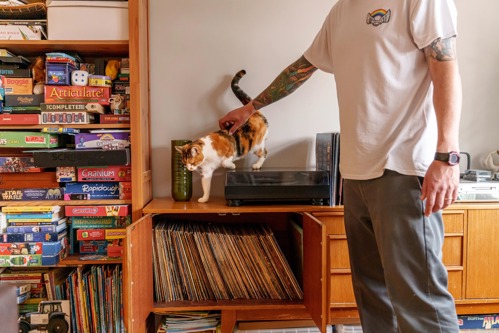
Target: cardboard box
[105,174]
[24,100]
[104,210]
[10,139]
[105,140]
[21,32]
[21,260]
[86,157]
[15,164]
[77,94]
[21,180]
[64,20]
[70,117]
[479,322]
[26,194]
[18,85]
[109,190]
[19,119]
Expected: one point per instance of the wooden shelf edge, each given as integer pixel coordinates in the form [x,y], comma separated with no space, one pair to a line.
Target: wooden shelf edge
[84,48]
[219,206]
[160,307]
[65,203]
[80,126]
[74,260]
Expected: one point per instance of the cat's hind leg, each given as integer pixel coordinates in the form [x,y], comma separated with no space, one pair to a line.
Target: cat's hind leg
[206,184]
[262,155]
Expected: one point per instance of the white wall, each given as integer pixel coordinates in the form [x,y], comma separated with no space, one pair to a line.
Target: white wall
[196,46]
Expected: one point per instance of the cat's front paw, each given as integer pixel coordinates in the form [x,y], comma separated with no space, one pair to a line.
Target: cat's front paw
[256,166]
[203,199]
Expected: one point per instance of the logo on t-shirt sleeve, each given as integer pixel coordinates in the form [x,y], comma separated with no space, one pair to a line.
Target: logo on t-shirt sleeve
[378,17]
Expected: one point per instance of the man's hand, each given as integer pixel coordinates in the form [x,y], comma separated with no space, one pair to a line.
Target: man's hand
[440,186]
[236,118]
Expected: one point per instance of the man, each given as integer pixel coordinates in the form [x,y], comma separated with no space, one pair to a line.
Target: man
[399,95]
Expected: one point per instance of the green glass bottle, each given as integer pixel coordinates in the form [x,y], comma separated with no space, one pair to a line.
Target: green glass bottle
[181,177]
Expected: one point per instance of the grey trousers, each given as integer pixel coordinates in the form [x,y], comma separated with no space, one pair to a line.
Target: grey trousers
[399,280]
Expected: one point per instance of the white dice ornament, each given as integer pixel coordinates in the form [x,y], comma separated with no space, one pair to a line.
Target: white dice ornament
[79,78]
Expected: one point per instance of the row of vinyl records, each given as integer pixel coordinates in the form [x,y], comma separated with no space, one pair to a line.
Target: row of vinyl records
[218,261]
[94,293]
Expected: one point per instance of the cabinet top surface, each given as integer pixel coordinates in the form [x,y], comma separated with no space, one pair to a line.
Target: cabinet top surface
[218,205]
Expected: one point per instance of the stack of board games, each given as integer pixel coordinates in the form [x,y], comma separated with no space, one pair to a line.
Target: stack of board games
[98,230]
[28,281]
[69,99]
[18,104]
[33,236]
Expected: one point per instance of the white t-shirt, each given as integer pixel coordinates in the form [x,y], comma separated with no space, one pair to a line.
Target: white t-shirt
[374,50]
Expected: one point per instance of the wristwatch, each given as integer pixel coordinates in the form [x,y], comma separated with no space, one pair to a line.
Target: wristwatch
[451,158]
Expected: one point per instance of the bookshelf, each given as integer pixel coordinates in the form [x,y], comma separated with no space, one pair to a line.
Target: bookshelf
[136,49]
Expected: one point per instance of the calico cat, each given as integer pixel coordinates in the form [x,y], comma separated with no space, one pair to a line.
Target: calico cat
[220,149]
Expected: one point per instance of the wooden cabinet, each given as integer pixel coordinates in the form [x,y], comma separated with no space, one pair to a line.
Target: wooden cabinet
[470,255]
[136,49]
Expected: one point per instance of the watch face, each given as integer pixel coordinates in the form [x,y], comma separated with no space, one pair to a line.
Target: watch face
[454,158]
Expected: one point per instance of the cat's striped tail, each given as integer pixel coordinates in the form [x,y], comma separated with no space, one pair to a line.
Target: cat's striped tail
[240,94]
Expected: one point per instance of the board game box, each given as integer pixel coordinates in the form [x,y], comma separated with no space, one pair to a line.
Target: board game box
[56,193]
[77,94]
[11,139]
[105,174]
[104,210]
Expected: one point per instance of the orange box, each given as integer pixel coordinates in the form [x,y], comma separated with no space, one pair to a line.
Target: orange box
[18,85]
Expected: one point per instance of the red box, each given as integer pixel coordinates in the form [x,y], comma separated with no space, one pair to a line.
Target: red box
[105,174]
[19,119]
[77,94]
[114,119]
[21,248]
[105,210]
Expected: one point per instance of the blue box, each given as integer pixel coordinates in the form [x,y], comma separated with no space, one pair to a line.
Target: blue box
[51,248]
[487,321]
[100,190]
[58,74]
[50,260]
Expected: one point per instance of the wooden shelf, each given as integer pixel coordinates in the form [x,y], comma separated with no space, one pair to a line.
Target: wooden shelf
[65,203]
[219,206]
[33,48]
[80,126]
[74,260]
[234,304]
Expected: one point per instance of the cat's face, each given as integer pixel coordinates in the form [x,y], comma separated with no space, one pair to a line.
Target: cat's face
[192,155]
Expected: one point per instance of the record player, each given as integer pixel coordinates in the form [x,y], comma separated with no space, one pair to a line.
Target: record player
[277,186]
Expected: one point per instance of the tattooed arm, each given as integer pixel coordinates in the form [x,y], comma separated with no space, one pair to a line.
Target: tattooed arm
[441,182]
[288,81]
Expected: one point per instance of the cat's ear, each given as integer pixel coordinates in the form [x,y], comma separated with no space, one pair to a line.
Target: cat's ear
[194,151]
[179,149]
